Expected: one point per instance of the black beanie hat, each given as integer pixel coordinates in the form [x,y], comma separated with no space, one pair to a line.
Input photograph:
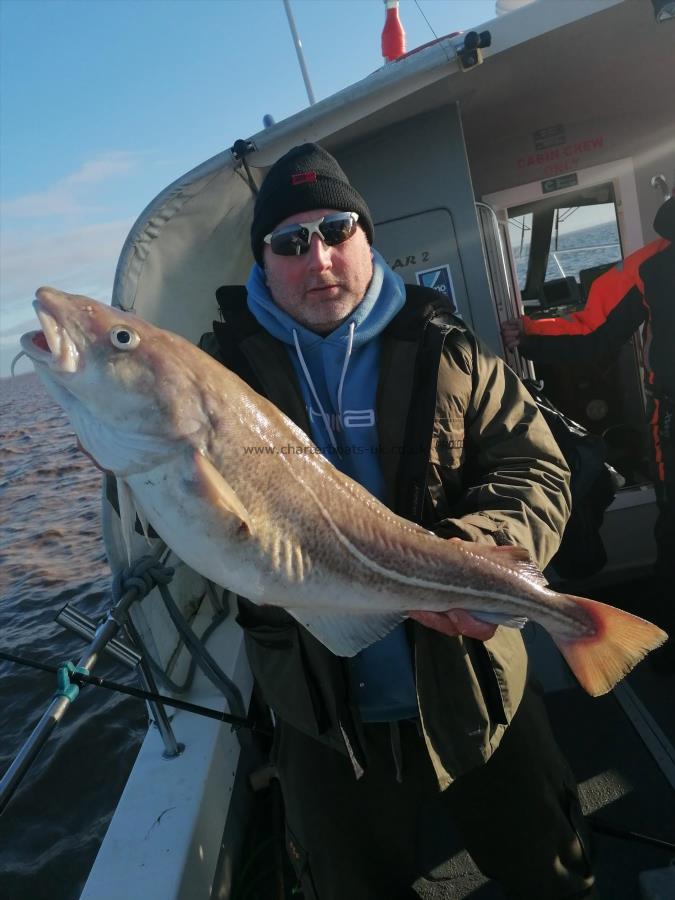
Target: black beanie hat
[305,178]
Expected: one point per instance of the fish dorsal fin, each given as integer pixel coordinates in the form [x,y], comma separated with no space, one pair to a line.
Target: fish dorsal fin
[216,491]
[511,557]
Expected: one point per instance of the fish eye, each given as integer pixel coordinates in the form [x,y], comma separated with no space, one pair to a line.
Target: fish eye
[124,338]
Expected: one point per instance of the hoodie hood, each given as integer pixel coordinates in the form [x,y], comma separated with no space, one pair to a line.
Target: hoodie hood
[383,299]
[338,373]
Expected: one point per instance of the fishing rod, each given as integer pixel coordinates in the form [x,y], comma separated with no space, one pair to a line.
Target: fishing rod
[602,827]
[80,679]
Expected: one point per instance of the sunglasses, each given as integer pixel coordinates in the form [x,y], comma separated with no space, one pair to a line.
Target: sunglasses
[295,239]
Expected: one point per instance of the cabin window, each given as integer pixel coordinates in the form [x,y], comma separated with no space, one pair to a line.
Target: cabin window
[560,246]
[582,238]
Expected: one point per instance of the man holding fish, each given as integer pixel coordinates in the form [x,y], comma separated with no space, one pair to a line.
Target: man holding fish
[361,771]
[385,493]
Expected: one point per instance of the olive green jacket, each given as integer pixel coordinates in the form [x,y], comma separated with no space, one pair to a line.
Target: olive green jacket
[495,475]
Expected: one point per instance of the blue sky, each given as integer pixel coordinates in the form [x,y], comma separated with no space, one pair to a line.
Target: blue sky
[105,102]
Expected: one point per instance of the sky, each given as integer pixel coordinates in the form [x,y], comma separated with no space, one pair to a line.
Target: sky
[103,103]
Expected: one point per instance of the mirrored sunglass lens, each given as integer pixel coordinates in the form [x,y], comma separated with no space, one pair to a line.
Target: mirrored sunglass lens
[337,229]
[293,240]
[290,241]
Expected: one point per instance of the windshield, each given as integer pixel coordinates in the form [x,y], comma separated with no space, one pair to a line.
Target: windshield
[581,239]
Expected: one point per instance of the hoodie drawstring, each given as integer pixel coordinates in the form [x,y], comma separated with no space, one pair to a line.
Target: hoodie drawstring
[350,341]
[305,370]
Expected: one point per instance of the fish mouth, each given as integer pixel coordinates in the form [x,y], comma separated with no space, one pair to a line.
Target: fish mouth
[52,346]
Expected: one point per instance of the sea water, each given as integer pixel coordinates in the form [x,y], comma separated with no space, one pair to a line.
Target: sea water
[51,553]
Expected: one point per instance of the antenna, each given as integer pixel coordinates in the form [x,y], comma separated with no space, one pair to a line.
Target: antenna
[298,50]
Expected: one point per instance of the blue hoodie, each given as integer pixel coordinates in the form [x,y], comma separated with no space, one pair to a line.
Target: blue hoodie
[338,375]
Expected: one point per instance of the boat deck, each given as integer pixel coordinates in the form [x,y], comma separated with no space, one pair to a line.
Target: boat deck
[621,748]
[622,788]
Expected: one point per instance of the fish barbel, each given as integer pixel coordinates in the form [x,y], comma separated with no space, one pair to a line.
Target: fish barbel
[200,455]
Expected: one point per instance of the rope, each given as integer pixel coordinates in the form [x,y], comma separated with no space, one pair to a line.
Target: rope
[163,680]
[204,660]
[142,576]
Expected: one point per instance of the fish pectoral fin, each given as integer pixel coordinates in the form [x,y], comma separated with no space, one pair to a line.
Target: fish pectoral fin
[346,635]
[216,491]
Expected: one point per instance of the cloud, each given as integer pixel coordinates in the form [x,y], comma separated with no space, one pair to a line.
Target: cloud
[69,196]
[80,261]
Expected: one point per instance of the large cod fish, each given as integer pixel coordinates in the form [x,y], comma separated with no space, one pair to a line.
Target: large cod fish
[288,529]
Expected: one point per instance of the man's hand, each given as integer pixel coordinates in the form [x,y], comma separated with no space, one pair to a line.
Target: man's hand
[454,622]
[512,333]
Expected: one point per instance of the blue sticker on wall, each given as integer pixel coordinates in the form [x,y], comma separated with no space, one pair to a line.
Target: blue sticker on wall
[440,280]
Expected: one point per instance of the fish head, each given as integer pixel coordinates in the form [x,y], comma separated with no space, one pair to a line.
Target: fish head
[122,382]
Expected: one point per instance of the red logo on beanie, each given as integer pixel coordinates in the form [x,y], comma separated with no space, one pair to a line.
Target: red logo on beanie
[303,178]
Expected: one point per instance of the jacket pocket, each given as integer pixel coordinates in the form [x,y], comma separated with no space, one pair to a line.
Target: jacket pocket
[484,667]
[279,667]
[505,672]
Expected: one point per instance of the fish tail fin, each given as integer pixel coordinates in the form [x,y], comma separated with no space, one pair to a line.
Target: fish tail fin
[620,641]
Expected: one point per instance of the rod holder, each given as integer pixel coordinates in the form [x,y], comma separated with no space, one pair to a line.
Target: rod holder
[79,623]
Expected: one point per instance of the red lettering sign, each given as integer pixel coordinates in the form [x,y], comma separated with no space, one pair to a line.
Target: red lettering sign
[564,154]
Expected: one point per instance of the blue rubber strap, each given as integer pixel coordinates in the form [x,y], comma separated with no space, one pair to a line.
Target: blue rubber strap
[65,687]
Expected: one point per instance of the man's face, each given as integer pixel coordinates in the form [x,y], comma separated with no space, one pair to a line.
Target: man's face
[321,288]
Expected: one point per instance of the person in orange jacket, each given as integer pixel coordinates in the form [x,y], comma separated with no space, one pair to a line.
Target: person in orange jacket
[639,290]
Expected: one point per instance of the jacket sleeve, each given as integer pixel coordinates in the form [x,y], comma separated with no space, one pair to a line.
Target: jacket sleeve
[514,480]
[613,312]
